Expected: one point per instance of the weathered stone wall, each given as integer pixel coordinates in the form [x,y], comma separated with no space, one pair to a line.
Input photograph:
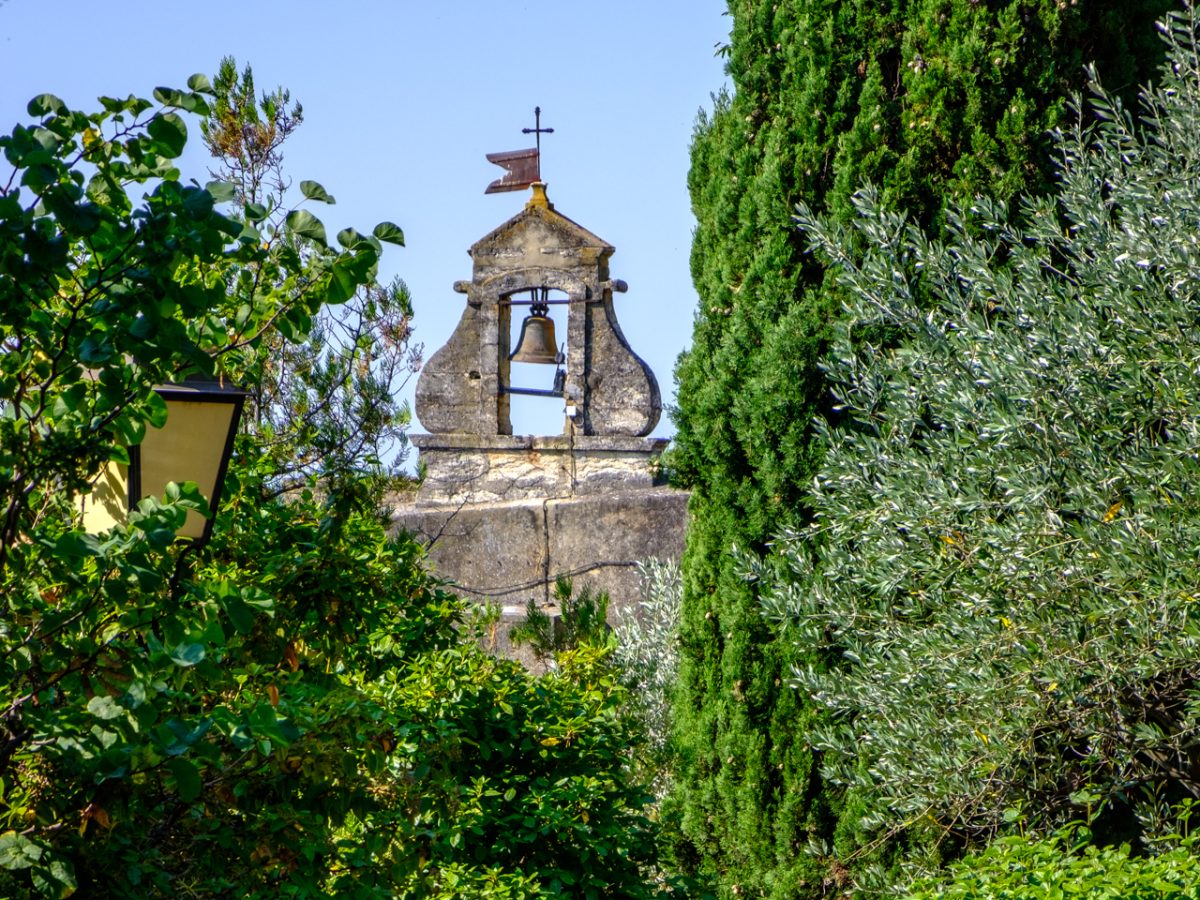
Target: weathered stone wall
[503,516]
[507,552]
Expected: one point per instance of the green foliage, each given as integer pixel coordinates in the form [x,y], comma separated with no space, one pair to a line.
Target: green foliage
[146,711]
[247,134]
[499,769]
[138,292]
[931,99]
[1021,867]
[646,654]
[324,407]
[582,620]
[1002,559]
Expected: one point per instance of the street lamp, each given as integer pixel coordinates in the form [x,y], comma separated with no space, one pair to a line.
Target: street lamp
[194,445]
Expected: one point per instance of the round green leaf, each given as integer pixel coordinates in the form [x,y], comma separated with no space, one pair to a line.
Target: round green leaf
[130,430]
[387,231]
[156,410]
[250,235]
[18,851]
[342,283]
[187,778]
[167,96]
[104,707]
[44,104]
[313,191]
[187,654]
[305,224]
[170,131]
[56,879]
[241,615]
[198,203]
[160,537]
[221,191]
[349,238]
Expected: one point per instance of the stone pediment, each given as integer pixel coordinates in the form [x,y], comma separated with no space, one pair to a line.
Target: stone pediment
[539,225]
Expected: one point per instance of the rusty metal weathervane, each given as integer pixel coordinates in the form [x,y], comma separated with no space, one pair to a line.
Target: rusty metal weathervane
[522,167]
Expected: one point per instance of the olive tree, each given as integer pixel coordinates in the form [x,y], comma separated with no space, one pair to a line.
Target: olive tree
[998,588]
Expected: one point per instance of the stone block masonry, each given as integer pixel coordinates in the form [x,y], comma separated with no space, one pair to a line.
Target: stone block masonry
[503,516]
[509,551]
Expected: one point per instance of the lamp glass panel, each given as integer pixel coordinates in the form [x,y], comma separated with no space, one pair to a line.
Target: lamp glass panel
[108,503]
[188,448]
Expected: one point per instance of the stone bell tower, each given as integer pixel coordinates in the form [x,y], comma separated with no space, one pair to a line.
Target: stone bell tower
[504,514]
[465,387]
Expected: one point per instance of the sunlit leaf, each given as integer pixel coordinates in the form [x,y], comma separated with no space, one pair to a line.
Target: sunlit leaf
[313,191]
[187,654]
[169,130]
[387,231]
[17,851]
[305,224]
[45,104]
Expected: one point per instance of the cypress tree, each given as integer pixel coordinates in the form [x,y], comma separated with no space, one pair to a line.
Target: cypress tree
[930,100]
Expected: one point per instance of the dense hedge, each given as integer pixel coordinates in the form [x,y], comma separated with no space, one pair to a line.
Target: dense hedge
[1020,867]
[929,99]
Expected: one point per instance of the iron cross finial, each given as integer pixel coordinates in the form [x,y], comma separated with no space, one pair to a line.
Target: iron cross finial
[537,131]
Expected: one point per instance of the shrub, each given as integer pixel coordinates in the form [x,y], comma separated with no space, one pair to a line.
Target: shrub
[1019,867]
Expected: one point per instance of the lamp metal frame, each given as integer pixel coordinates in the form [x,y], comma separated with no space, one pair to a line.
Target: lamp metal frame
[195,390]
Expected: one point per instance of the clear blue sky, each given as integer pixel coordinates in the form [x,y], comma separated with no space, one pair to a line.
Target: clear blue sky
[403,99]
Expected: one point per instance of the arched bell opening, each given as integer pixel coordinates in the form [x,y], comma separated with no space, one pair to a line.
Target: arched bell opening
[536,361]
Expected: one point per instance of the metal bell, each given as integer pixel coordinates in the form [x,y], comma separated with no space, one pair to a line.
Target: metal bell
[536,344]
